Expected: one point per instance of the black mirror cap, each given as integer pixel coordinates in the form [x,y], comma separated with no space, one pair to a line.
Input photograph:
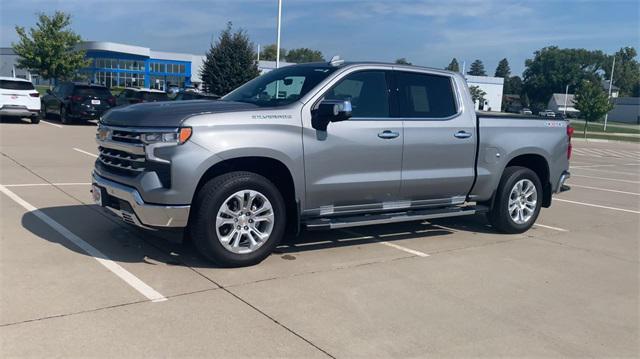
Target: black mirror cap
[330,111]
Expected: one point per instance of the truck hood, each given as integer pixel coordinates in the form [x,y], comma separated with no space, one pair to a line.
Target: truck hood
[168,113]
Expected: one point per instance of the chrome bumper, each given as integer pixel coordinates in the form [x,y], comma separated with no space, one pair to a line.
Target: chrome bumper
[563,178]
[145,215]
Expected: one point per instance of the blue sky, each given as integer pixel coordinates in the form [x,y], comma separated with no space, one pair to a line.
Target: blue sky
[427,33]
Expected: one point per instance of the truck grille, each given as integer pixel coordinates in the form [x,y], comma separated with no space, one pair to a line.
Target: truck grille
[121,161]
[126,136]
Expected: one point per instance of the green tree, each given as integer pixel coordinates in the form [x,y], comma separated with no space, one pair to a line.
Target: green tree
[49,48]
[592,102]
[552,69]
[477,95]
[477,69]
[627,71]
[268,53]
[303,55]
[453,66]
[403,61]
[503,70]
[229,63]
[513,85]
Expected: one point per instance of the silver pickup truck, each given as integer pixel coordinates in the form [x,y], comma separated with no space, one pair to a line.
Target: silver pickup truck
[324,146]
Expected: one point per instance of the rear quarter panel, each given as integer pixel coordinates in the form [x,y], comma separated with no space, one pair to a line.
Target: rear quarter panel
[503,139]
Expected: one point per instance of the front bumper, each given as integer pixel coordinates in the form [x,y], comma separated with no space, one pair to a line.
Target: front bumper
[562,187]
[126,203]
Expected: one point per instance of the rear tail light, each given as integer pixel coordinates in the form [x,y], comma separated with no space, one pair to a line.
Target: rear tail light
[569,135]
[76,98]
[35,94]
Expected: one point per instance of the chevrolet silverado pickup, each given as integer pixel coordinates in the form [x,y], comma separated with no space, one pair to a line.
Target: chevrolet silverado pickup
[324,146]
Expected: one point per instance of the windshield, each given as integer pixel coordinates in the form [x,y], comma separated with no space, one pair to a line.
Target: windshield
[280,87]
[94,91]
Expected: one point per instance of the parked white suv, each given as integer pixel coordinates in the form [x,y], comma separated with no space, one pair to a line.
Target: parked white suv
[19,98]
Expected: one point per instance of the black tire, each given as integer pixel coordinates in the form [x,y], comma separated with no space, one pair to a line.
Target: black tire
[35,119]
[64,117]
[209,200]
[499,215]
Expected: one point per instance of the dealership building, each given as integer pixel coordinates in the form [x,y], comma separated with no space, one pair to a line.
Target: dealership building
[121,65]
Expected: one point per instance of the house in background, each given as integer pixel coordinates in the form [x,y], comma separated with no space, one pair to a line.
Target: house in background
[615,90]
[558,101]
[625,109]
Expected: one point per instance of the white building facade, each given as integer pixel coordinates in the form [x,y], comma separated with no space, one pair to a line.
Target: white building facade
[493,87]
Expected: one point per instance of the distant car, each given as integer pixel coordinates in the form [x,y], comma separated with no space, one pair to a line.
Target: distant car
[192,95]
[526,111]
[138,95]
[77,101]
[18,98]
[547,113]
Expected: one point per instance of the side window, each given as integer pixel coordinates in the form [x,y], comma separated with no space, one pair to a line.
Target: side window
[367,91]
[425,96]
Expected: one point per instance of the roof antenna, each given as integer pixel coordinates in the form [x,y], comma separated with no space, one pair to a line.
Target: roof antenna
[336,61]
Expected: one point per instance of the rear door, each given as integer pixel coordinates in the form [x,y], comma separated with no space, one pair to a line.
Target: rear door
[439,139]
[355,164]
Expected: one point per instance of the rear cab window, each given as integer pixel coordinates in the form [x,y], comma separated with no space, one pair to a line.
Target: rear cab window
[16,85]
[426,96]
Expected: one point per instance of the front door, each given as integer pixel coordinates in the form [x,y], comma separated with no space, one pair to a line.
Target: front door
[439,142]
[356,164]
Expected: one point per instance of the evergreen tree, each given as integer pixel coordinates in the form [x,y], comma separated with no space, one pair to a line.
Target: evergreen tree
[403,61]
[503,70]
[477,69]
[229,63]
[453,66]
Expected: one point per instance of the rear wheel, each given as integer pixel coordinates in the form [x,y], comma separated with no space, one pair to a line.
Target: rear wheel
[518,201]
[239,219]
[64,117]
[36,119]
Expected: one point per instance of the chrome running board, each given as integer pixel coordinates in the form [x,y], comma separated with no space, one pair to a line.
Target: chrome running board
[395,217]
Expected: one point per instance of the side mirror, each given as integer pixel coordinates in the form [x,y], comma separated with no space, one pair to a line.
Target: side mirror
[330,111]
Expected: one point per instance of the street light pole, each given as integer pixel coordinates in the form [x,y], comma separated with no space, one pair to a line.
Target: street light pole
[278,40]
[613,66]
[566,94]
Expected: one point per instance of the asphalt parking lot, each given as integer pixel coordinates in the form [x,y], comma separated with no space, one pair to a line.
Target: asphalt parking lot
[75,282]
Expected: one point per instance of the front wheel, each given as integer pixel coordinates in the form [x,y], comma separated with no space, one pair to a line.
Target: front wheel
[518,201]
[64,117]
[239,219]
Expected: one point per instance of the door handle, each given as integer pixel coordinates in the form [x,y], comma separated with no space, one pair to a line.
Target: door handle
[462,134]
[388,134]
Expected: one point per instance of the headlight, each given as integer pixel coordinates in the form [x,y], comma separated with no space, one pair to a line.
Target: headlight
[178,138]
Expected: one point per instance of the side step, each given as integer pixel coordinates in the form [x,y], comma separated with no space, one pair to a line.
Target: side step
[371,219]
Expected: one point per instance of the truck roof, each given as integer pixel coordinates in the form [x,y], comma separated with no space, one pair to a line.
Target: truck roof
[356,63]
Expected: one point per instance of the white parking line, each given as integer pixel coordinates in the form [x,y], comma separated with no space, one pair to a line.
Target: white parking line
[85,152]
[115,268]
[605,189]
[608,171]
[51,124]
[622,164]
[597,206]
[48,184]
[549,227]
[606,178]
[389,244]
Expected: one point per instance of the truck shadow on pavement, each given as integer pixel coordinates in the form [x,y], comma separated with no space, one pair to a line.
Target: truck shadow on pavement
[124,243]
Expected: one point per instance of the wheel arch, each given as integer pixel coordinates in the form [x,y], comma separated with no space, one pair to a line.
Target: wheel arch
[272,169]
[538,164]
